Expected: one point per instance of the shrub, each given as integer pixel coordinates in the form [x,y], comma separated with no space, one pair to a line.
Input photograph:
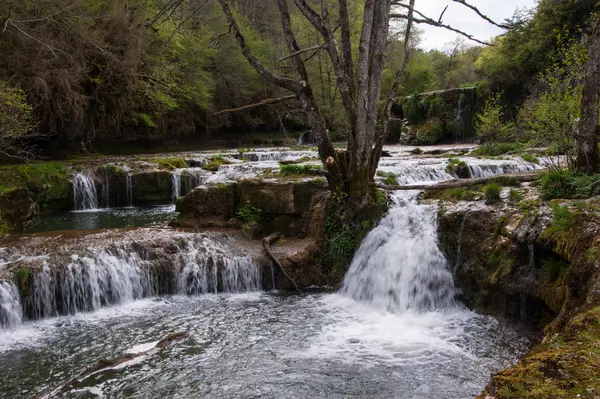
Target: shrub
[490,124]
[250,214]
[430,133]
[18,124]
[569,185]
[491,192]
[496,149]
[515,196]
[527,157]
[389,178]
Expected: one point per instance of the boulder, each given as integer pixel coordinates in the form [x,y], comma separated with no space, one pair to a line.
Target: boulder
[210,201]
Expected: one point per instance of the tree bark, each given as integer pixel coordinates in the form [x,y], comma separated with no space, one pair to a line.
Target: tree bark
[586,138]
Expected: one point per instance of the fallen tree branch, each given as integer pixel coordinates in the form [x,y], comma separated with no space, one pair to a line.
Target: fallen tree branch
[521,178]
[267,242]
[268,101]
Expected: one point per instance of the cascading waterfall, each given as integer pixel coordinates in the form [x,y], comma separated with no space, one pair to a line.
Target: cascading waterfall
[205,270]
[101,277]
[85,196]
[494,169]
[175,186]
[11,313]
[399,266]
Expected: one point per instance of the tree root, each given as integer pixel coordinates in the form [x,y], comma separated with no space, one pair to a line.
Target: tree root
[267,242]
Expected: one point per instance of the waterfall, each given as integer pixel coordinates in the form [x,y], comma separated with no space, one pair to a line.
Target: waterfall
[493,168]
[129,190]
[399,266]
[175,186]
[204,269]
[85,196]
[91,278]
[458,122]
[10,306]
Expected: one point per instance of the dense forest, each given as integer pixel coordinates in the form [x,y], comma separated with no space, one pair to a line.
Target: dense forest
[78,72]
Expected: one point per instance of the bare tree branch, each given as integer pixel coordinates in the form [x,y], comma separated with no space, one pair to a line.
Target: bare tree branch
[289,84]
[488,19]
[248,107]
[428,21]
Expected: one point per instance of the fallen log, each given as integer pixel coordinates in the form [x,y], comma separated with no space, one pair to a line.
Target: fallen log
[458,183]
[267,242]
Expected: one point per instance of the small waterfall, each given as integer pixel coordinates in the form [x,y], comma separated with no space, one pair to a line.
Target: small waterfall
[399,266]
[85,196]
[458,121]
[89,282]
[175,186]
[11,313]
[204,270]
[95,277]
[129,189]
[192,178]
[494,169]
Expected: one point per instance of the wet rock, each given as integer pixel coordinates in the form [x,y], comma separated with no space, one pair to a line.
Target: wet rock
[210,201]
[16,209]
[151,188]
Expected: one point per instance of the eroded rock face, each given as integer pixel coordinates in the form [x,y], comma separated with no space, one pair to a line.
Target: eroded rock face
[152,188]
[278,206]
[539,263]
[16,209]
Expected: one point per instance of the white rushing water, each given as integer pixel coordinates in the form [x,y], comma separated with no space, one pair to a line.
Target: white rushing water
[85,196]
[175,186]
[94,278]
[399,266]
[129,189]
[11,314]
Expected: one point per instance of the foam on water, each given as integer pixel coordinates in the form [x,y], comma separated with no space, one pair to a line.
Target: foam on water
[11,314]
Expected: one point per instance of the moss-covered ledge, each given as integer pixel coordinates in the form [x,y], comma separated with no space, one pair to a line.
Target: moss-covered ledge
[538,262]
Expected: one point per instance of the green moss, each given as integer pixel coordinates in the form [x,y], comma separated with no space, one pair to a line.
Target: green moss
[341,244]
[48,182]
[170,163]
[491,192]
[457,167]
[114,169]
[528,157]
[430,133]
[22,279]
[390,179]
[562,220]
[287,170]
[563,366]
[214,163]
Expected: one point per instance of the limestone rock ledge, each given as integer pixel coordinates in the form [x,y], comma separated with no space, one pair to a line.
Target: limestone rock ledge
[540,263]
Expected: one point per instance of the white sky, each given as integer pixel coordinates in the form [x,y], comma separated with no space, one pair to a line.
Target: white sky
[466,20]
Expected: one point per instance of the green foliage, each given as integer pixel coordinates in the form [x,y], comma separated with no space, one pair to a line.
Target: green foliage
[515,196]
[430,133]
[341,244]
[491,192]
[528,157]
[250,214]
[491,125]
[461,194]
[22,276]
[17,122]
[290,170]
[562,219]
[569,185]
[496,149]
[417,151]
[505,181]
[171,163]
[454,164]
[552,269]
[46,181]
[389,178]
[214,163]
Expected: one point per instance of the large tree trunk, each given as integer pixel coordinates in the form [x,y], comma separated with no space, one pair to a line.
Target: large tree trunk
[586,138]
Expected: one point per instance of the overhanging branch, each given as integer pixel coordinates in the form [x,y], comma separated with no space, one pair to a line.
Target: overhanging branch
[267,101]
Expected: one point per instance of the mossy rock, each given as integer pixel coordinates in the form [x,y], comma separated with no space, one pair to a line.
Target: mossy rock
[430,133]
[16,209]
[210,201]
